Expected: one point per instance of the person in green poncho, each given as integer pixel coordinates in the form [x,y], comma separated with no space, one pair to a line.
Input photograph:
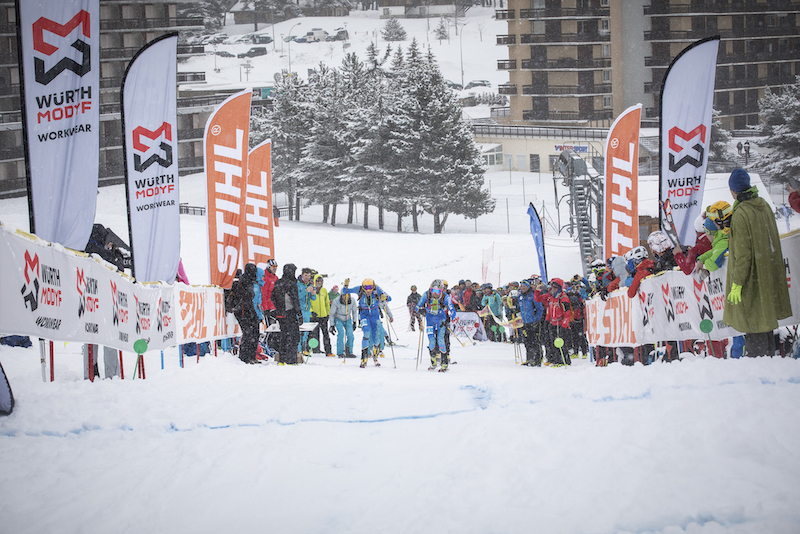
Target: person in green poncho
[758,294]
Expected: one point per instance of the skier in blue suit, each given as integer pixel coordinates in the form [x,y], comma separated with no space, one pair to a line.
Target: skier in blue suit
[434,305]
[369,314]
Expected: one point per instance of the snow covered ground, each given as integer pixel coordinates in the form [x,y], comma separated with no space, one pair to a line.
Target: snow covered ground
[218,446]
[700,446]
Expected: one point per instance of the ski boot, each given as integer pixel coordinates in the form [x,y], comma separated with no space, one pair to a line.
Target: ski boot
[434,354]
[364,355]
[376,351]
[445,362]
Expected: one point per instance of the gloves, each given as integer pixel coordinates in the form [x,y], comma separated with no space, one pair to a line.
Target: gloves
[384,297]
[333,330]
[346,282]
[423,312]
[354,325]
[314,316]
[735,294]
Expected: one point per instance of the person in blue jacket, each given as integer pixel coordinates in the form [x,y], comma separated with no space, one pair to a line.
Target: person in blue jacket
[531,313]
[369,314]
[434,306]
[306,292]
[495,303]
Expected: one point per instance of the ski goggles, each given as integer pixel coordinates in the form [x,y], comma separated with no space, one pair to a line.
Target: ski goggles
[367,288]
[436,290]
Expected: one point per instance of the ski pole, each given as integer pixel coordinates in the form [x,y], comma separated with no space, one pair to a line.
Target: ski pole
[419,346]
[391,345]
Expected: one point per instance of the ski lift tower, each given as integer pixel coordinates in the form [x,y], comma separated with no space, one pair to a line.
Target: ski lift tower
[585,204]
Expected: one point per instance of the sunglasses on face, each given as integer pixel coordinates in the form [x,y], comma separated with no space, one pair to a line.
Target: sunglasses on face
[367,288]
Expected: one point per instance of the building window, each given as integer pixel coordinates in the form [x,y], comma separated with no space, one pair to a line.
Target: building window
[604,25]
[604,3]
[606,76]
[553,161]
[607,102]
[533,160]
[606,50]
[387,11]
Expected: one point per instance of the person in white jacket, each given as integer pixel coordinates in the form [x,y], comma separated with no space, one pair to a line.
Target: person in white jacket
[344,313]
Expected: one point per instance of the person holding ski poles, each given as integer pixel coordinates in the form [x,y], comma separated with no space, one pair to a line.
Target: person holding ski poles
[531,313]
[434,305]
[343,313]
[411,303]
[369,295]
[556,321]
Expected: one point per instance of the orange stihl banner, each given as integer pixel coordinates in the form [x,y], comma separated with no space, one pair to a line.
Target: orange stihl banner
[621,210]
[258,244]
[226,149]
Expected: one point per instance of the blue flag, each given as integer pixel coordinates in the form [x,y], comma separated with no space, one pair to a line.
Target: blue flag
[538,240]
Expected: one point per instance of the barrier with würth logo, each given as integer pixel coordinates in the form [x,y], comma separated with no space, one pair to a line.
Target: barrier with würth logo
[671,305]
[53,293]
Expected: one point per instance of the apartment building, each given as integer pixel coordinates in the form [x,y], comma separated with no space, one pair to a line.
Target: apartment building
[583,62]
[125,26]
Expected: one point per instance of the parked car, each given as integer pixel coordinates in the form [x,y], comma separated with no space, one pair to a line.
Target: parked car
[216,38]
[315,35]
[340,35]
[453,85]
[224,53]
[478,83]
[254,52]
[260,38]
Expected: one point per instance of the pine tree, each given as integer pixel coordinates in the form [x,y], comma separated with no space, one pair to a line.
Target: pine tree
[780,112]
[720,156]
[442,32]
[393,31]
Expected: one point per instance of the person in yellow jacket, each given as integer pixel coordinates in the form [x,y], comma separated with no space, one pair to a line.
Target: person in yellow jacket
[320,311]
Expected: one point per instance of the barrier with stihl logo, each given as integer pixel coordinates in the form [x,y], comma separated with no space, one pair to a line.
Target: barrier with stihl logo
[60,63]
[687,101]
[149,115]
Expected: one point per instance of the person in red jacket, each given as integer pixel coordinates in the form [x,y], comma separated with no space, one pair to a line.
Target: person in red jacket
[687,259]
[556,319]
[266,291]
[642,266]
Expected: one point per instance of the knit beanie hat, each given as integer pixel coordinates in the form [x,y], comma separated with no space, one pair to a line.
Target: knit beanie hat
[739,181]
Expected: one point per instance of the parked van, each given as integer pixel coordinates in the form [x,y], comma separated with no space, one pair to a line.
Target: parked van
[316,34]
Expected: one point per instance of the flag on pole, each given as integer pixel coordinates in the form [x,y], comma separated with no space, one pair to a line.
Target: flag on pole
[621,197]
[226,149]
[258,246]
[687,102]
[60,64]
[538,240]
[150,123]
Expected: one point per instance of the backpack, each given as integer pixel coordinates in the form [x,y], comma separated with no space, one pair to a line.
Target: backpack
[233,299]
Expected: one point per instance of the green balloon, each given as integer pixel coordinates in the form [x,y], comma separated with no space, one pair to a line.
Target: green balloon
[313,343]
[140,346]
[558,342]
[502,328]
[706,326]
[494,328]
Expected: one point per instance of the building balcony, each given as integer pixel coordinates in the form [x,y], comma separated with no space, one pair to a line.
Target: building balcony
[128,52]
[564,12]
[531,115]
[505,14]
[507,89]
[565,63]
[11,89]
[694,35]
[716,8]
[150,24]
[537,38]
[8,28]
[507,64]
[750,57]
[507,39]
[751,83]
[567,90]
[191,77]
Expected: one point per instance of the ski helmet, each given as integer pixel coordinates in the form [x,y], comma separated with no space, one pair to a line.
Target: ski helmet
[659,242]
[710,225]
[597,264]
[637,254]
[271,262]
[368,283]
[413,288]
[720,212]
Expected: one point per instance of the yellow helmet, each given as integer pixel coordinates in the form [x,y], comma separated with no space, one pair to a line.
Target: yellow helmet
[445,283]
[719,212]
[368,282]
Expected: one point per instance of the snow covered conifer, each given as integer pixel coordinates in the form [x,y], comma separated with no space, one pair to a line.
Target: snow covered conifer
[393,31]
[781,126]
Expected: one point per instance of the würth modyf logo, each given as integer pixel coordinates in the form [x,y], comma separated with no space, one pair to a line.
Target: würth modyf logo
[30,290]
[675,148]
[141,131]
[43,76]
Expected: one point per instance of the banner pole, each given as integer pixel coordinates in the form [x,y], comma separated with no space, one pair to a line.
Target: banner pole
[52,371]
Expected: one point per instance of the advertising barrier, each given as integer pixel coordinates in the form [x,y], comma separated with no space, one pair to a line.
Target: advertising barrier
[58,294]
